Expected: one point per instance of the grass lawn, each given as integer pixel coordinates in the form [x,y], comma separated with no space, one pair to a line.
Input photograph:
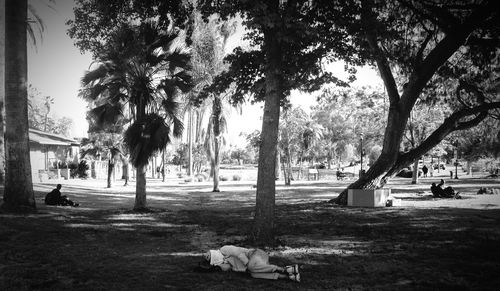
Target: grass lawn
[426,244]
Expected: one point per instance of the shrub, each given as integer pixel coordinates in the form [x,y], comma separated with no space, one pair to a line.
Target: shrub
[73,169]
[236,177]
[81,171]
[223,178]
[188,180]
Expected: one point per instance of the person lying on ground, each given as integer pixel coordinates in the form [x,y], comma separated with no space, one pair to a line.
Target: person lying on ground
[439,192]
[253,261]
[55,198]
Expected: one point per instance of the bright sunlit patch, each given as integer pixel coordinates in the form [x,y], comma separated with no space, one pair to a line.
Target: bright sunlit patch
[175,254]
[86,225]
[131,217]
[314,251]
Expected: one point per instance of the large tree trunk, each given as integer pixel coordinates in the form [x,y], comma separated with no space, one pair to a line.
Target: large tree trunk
[18,194]
[392,139]
[2,91]
[140,189]
[265,199]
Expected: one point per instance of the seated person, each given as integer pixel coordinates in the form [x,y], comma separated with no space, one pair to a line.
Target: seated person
[439,192]
[254,261]
[54,198]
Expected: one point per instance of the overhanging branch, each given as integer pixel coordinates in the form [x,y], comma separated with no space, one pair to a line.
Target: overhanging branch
[368,21]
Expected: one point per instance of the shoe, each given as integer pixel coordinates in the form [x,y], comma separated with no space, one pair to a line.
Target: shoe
[292,270]
[294,277]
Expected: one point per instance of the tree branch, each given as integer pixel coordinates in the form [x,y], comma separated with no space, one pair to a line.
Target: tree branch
[420,53]
[442,52]
[380,59]
[450,124]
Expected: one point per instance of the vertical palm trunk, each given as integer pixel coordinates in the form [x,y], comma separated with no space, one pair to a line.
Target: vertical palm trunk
[216,163]
[265,199]
[190,143]
[111,168]
[2,91]
[18,194]
[140,180]
[140,189]
[164,166]
[216,115]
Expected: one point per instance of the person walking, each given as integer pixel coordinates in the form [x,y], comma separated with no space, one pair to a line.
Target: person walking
[425,170]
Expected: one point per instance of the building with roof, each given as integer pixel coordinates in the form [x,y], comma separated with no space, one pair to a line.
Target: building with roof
[50,154]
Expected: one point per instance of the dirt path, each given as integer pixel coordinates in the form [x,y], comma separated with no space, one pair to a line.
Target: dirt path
[427,244]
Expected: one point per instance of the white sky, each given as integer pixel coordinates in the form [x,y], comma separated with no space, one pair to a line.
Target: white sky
[56,66]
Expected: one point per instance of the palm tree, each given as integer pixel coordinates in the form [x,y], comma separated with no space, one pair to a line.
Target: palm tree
[18,192]
[209,42]
[143,69]
[107,144]
[214,140]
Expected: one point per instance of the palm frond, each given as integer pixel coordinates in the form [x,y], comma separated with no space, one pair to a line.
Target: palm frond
[146,137]
[33,18]
[92,93]
[106,114]
[169,88]
[183,81]
[88,152]
[94,75]
[170,105]
[178,59]
[178,127]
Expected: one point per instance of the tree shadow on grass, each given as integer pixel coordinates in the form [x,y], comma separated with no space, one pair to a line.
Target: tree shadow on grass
[95,248]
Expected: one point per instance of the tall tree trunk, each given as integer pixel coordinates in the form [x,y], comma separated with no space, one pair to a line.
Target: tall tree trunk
[18,193]
[2,91]
[111,168]
[216,115]
[190,143]
[414,176]
[164,165]
[216,163]
[277,170]
[125,170]
[263,231]
[140,189]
